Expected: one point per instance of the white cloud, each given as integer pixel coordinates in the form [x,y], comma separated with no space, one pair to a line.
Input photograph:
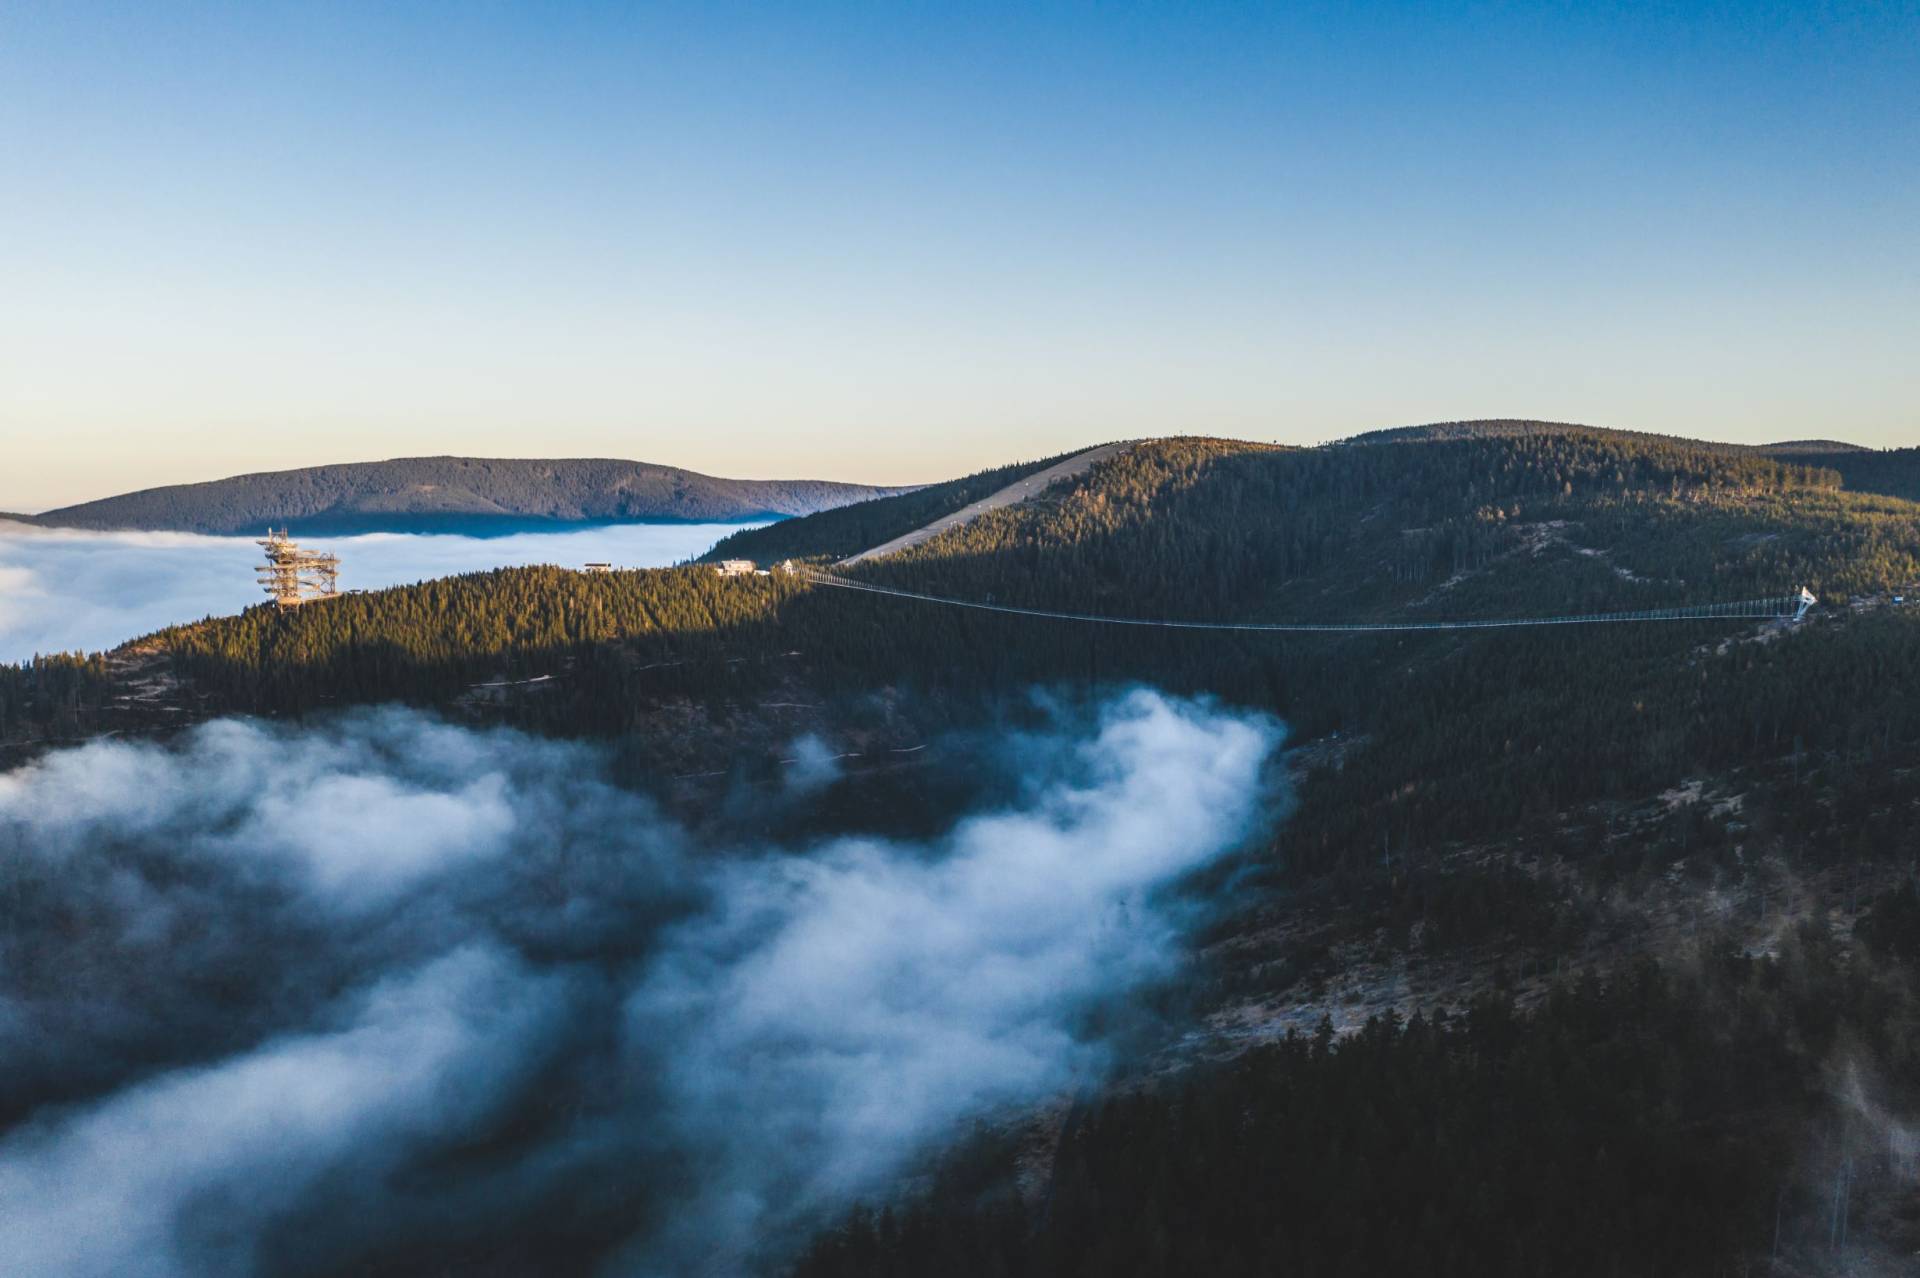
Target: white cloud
[342,812]
[839,1011]
[747,1037]
[110,1191]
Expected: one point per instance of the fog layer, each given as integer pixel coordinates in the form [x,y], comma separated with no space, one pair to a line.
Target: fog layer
[384,991]
[66,590]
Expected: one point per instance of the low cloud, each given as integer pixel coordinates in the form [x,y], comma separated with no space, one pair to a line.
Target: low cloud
[183,1173]
[68,590]
[813,765]
[856,1003]
[281,1001]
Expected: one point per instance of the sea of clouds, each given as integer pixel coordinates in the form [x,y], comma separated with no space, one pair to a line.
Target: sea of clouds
[383,994]
[67,590]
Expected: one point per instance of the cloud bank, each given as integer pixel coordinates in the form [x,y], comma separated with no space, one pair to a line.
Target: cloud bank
[65,590]
[293,1001]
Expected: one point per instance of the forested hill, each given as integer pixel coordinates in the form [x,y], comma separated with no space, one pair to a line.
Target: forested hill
[1532,524]
[1536,522]
[1893,471]
[848,530]
[1484,726]
[1809,448]
[1491,428]
[458,494]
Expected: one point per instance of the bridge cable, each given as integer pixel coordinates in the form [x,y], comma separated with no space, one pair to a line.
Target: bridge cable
[1783,607]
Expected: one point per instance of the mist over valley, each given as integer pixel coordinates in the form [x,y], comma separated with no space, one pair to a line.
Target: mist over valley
[391,973]
[69,590]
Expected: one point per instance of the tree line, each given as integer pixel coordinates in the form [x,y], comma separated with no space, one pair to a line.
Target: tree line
[1673,1119]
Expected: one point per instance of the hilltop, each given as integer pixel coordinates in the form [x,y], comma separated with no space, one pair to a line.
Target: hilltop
[1894,472]
[882,525]
[1810,447]
[473,495]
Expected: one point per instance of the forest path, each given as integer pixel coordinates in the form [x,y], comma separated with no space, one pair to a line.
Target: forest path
[1018,491]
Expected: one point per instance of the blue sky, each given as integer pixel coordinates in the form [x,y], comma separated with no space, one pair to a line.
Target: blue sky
[895,242]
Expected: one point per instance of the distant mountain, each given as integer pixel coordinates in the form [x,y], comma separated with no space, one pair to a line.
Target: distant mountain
[1891,472]
[1491,428]
[1518,428]
[473,495]
[1806,447]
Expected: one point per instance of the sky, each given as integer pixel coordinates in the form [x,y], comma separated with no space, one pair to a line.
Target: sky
[898,242]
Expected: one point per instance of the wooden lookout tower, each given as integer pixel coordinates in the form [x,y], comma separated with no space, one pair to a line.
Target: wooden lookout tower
[294,576]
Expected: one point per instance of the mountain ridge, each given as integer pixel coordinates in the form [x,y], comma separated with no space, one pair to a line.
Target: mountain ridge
[1525,427]
[458,494]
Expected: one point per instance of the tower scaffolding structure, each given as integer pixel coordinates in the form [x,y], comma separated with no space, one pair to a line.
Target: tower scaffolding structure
[294,575]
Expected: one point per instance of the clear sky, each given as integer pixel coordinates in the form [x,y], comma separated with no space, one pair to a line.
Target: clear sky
[899,241]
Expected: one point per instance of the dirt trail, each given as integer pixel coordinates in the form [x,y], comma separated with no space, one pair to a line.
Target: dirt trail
[1031,486]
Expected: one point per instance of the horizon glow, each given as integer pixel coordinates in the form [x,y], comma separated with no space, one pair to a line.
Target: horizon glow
[893,244]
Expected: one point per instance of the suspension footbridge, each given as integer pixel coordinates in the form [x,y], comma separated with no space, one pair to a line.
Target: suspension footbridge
[1788,607]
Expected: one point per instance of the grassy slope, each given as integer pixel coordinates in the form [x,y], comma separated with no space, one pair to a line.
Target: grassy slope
[848,530]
